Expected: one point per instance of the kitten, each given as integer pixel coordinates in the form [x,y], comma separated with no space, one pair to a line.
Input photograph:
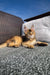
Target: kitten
[31,39]
[28,40]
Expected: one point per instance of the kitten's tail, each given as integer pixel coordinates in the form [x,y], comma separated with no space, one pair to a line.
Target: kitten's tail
[42,43]
[3,45]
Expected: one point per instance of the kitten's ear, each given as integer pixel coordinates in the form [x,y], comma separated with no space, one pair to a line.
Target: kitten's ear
[32,27]
[25,29]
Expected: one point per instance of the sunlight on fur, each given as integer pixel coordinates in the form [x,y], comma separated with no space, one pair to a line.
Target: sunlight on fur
[29,40]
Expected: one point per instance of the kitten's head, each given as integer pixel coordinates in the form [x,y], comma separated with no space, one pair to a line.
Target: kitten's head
[29,33]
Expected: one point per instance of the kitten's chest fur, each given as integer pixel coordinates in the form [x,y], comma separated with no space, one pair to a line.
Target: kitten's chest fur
[24,38]
[28,41]
[33,42]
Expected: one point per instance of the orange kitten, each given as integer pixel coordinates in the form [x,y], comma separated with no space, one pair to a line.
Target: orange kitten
[28,40]
[31,40]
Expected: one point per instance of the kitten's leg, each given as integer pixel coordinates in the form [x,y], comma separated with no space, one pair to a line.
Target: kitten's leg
[30,46]
[10,44]
[42,43]
[26,44]
[17,45]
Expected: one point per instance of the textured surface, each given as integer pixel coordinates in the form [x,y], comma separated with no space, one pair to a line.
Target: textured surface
[24,61]
[42,28]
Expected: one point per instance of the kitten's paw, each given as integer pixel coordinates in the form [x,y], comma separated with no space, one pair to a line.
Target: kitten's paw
[42,44]
[30,46]
[17,46]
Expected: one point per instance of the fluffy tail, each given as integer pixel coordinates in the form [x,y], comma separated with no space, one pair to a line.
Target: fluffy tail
[42,43]
[3,45]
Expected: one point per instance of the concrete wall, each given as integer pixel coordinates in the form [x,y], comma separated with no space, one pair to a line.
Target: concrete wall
[42,28]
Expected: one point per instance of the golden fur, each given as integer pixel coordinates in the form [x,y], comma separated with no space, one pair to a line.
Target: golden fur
[29,40]
[30,34]
[12,42]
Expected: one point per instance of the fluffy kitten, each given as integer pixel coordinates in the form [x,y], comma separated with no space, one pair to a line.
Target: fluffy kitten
[28,40]
[31,40]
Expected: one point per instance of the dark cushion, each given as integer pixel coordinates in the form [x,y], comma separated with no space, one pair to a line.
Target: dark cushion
[9,26]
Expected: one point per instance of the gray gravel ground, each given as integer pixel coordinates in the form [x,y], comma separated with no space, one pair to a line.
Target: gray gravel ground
[24,61]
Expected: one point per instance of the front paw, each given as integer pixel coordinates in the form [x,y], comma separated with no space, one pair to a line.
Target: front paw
[16,46]
[30,46]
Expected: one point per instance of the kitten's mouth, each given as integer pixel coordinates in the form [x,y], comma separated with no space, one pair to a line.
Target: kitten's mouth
[30,36]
